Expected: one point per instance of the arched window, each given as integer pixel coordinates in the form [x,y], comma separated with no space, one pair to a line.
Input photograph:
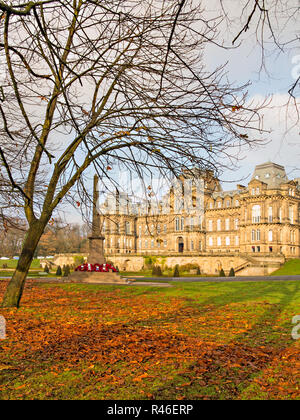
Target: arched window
[256,213]
[177,224]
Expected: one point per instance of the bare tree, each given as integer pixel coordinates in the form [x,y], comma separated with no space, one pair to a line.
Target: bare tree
[273,23]
[114,83]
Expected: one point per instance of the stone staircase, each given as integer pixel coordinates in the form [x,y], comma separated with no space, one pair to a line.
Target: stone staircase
[258,265]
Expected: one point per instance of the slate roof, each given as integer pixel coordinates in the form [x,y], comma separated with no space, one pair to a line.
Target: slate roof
[270,173]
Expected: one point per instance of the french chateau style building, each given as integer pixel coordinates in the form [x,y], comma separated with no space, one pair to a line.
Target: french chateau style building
[253,228]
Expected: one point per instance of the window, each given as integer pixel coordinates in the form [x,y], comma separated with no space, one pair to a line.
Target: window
[291,192]
[253,191]
[237,203]
[140,244]
[165,228]
[211,205]
[227,203]
[291,215]
[192,245]
[140,231]
[256,214]
[280,215]
[165,243]
[270,236]
[227,224]
[267,176]
[210,225]
[158,228]
[219,241]
[236,224]
[210,241]
[257,190]
[146,244]
[253,235]
[192,224]
[270,214]
[200,222]
[127,228]
[236,240]
[293,236]
[258,235]
[182,223]
[177,224]
[219,224]
[227,240]
[152,243]
[219,204]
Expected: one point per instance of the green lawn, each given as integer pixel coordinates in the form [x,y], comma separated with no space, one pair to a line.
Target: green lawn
[148,273]
[13,263]
[35,273]
[291,267]
[190,341]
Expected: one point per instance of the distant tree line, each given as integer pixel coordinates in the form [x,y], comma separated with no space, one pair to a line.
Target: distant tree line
[58,238]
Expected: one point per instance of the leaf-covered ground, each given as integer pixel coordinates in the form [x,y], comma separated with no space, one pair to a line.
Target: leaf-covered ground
[189,341]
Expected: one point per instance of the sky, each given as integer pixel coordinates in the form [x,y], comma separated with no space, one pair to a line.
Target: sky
[243,65]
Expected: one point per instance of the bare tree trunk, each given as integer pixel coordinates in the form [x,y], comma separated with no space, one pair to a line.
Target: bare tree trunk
[15,287]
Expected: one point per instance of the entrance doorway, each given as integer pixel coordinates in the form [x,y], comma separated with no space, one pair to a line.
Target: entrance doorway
[180,244]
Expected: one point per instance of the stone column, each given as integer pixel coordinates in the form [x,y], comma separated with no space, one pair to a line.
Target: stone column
[96,241]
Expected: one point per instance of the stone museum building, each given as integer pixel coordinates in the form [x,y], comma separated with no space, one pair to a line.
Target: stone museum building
[252,229]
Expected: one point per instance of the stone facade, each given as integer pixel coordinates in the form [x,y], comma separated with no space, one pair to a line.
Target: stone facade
[252,226]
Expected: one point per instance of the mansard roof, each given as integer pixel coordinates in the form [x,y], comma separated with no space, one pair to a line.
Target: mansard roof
[271,174]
